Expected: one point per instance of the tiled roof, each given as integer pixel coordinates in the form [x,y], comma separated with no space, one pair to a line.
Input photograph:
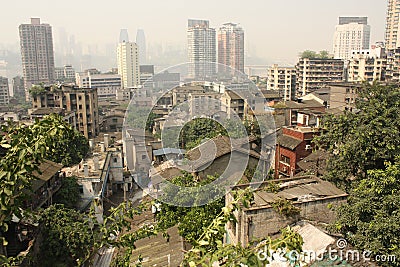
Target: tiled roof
[48,170]
[307,188]
[304,104]
[217,147]
[315,162]
[47,111]
[288,142]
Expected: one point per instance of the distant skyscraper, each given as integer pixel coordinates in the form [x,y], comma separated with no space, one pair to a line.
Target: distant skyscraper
[352,33]
[231,46]
[128,64]
[4,91]
[347,20]
[123,36]
[37,53]
[141,42]
[392,38]
[201,49]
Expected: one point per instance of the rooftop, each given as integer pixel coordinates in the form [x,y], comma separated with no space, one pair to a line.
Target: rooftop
[288,141]
[303,129]
[304,104]
[297,189]
[47,111]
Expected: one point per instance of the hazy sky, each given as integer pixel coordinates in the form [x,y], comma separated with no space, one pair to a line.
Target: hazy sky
[275,29]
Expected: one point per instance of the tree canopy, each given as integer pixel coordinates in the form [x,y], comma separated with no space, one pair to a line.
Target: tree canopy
[364,149]
[371,218]
[191,221]
[366,139]
[25,148]
[199,129]
[312,54]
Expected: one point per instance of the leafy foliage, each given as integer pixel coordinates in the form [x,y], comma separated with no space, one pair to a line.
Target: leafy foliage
[37,89]
[364,148]
[371,218]
[68,194]
[192,219]
[365,140]
[209,248]
[314,55]
[26,147]
[70,150]
[285,207]
[199,129]
[68,237]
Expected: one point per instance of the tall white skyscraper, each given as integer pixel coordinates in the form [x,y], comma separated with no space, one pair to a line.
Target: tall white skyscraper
[128,64]
[202,49]
[392,38]
[352,33]
[141,42]
[231,46]
[123,36]
[37,53]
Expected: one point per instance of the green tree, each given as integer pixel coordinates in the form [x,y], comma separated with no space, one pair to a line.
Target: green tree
[323,54]
[69,193]
[370,219]
[308,54]
[364,140]
[364,158]
[209,248]
[191,220]
[26,147]
[37,89]
[199,129]
[68,239]
[314,55]
[70,150]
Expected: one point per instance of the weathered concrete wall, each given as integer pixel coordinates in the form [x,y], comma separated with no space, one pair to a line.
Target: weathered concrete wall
[257,223]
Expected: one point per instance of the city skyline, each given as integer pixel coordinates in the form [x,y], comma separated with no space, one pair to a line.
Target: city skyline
[269,26]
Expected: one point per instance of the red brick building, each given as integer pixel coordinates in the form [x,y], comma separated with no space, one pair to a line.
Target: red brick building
[293,146]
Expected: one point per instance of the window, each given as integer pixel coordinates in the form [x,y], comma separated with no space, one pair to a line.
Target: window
[143,157]
[285,159]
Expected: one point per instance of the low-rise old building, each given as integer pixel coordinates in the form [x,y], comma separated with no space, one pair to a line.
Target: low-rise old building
[241,105]
[293,145]
[311,195]
[314,73]
[69,117]
[112,121]
[107,84]
[48,182]
[82,101]
[337,96]
[284,79]
[204,103]
[366,68]
[220,156]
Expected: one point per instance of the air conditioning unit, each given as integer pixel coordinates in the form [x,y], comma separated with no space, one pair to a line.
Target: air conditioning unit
[308,147]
